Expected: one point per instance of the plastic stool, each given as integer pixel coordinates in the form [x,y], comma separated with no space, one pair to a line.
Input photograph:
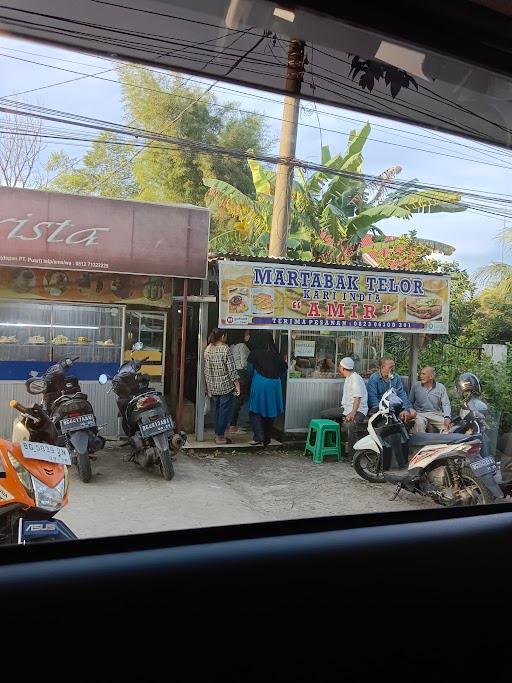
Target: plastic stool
[324,438]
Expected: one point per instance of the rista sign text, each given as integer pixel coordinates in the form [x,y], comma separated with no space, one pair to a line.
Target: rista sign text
[277,296]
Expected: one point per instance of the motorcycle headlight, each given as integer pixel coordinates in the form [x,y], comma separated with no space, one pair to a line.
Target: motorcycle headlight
[23,474]
[48,498]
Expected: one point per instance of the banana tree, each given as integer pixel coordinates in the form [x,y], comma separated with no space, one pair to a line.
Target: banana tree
[331,210]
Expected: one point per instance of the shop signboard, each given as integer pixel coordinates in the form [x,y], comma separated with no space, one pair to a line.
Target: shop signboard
[68,285]
[69,232]
[277,296]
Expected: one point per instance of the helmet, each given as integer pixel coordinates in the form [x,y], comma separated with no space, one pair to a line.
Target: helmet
[468,383]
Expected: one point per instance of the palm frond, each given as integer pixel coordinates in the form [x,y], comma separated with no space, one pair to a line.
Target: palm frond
[498,275]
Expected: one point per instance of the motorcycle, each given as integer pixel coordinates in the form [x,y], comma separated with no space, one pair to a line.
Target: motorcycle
[448,468]
[473,420]
[33,480]
[146,421]
[71,413]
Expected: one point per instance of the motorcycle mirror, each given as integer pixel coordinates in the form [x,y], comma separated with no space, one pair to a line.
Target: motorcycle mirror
[137,346]
[103,379]
[37,385]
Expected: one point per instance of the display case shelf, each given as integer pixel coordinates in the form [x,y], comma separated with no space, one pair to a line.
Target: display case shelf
[49,320]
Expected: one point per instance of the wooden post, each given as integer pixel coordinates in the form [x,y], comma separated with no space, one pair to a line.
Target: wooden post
[184,316]
[284,174]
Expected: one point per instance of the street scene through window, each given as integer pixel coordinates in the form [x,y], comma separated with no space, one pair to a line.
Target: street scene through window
[247,275]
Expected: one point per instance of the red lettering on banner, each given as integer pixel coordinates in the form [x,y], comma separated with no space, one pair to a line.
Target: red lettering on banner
[313,311]
[335,310]
[353,312]
[369,312]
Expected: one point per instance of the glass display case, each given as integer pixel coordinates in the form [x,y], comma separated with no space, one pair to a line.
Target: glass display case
[316,355]
[93,333]
[149,328]
[33,335]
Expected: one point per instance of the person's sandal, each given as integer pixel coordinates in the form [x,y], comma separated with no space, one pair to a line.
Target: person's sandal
[255,443]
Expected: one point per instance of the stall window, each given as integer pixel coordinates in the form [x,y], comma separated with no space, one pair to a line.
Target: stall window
[34,335]
[316,355]
[148,328]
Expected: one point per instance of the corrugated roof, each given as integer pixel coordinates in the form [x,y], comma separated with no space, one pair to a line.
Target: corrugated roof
[215,258]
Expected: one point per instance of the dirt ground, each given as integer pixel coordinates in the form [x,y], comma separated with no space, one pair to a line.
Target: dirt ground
[219,488]
[286,484]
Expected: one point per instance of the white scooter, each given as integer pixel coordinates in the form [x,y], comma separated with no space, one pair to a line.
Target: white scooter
[445,467]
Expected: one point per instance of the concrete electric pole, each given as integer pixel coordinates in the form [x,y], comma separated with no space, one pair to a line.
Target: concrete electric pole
[284,176]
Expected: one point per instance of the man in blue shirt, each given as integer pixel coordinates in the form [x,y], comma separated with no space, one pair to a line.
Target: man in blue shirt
[383,380]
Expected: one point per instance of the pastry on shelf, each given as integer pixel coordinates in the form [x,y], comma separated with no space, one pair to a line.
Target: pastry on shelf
[82,340]
[60,339]
[8,340]
[37,339]
[108,342]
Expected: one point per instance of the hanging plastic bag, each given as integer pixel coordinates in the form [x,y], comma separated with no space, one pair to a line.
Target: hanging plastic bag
[207,405]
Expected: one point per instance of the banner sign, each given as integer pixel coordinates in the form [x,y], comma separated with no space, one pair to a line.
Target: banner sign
[69,232]
[65,285]
[280,296]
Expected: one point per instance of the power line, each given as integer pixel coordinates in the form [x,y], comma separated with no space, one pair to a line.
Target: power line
[212,149]
[398,132]
[99,76]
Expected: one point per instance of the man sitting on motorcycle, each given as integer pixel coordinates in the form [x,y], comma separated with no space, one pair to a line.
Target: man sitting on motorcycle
[430,400]
[383,380]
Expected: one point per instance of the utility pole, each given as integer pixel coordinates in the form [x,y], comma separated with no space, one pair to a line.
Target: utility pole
[288,143]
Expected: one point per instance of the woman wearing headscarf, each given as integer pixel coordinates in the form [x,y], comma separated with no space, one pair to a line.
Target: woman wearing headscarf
[266,397]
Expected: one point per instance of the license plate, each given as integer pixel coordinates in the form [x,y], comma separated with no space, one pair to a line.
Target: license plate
[70,424]
[483,466]
[164,424]
[45,451]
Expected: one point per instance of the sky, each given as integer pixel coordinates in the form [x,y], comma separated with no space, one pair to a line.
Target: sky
[429,156]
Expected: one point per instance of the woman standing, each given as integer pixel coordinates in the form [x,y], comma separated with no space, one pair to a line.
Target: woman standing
[221,381]
[266,397]
[240,352]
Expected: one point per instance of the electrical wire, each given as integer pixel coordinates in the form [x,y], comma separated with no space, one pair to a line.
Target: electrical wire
[420,188]
[397,132]
[98,76]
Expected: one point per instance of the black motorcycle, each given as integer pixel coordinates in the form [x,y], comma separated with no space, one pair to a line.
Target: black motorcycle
[473,420]
[145,419]
[71,412]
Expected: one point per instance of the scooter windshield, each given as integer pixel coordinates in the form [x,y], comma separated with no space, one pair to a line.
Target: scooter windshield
[127,369]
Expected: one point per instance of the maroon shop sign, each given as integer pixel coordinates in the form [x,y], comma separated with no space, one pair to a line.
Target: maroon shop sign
[62,231]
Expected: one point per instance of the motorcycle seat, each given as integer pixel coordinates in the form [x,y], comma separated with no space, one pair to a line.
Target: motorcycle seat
[427,439]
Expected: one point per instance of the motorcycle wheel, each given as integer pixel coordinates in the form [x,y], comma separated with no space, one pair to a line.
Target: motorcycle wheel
[483,494]
[84,467]
[368,465]
[166,466]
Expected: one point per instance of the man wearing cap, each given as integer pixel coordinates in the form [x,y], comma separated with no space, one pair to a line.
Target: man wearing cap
[354,404]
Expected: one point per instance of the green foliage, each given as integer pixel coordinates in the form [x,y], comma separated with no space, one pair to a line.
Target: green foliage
[106,170]
[329,214]
[408,252]
[163,172]
[498,276]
